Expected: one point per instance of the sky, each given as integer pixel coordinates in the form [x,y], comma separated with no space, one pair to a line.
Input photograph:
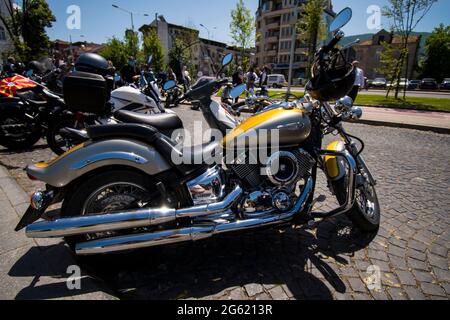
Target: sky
[100,21]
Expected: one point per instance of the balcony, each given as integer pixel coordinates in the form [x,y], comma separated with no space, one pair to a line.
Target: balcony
[273,25]
[272,39]
[271,53]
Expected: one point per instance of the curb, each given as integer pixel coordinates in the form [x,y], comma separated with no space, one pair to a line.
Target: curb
[404,126]
[49,286]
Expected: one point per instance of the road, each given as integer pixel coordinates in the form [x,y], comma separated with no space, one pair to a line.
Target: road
[420,94]
[329,262]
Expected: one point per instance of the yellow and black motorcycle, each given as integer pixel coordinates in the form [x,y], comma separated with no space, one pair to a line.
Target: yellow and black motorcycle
[131,187]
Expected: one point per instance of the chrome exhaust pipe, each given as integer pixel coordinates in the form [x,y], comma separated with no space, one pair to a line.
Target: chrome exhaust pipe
[67,227]
[118,244]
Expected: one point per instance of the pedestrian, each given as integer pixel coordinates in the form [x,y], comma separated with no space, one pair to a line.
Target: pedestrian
[264,77]
[171,75]
[238,79]
[129,71]
[10,67]
[252,78]
[186,79]
[359,81]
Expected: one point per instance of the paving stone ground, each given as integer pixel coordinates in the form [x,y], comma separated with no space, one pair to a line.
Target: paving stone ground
[332,261]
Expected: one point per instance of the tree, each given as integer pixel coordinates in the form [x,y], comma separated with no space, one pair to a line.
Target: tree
[181,55]
[437,64]
[405,16]
[132,43]
[312,27]
[25,23]
[116,51]
[153,47]
[242,28]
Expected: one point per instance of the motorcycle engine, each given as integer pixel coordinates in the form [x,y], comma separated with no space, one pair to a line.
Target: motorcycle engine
[274,184]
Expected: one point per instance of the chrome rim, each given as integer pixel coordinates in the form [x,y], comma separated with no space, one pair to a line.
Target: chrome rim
[112,198]
[365,199]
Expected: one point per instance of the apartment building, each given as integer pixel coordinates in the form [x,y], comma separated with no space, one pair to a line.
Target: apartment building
[275,22]
[6,45]
[206,54]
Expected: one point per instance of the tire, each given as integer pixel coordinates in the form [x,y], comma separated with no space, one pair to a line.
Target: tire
[74,204]
[11,114]
[367,220]
[56,145]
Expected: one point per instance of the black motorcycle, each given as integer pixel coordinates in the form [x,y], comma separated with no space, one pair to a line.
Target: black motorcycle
[26,115]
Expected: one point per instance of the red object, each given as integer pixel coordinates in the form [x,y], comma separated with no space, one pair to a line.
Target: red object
[9,86]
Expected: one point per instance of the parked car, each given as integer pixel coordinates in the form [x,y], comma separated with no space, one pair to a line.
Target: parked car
[445,85]
[277,81]
[414,84]
[429,84]
[379,83]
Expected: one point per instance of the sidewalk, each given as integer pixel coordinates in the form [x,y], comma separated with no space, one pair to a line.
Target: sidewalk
[32,269]
[419,120]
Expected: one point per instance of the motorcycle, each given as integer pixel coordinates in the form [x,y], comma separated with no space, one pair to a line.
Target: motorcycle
[130,104]
[27,109]
[127,188]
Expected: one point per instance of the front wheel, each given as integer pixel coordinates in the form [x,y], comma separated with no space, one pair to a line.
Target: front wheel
[366,213]
[17,131]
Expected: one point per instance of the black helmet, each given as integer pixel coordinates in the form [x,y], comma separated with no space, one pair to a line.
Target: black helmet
[331,84]
[92,63]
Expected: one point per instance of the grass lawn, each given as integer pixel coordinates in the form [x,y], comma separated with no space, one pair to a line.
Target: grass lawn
[412,103]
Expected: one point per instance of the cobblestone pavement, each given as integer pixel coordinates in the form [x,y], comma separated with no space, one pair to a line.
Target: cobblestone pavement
[330,262]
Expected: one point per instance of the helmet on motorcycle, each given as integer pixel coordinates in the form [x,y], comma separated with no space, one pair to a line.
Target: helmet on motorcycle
[333,83]
[92,63]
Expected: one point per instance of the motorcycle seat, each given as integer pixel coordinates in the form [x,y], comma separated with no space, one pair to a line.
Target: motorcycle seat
[165,146]
[162,121]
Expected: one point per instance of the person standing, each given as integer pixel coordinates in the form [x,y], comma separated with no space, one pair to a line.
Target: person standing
[359,81]
[129,72]
[238,79]
[252,78]
[10,67]
[186,79]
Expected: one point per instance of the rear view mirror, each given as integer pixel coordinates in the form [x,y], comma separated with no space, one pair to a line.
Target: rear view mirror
[227,59]
[169,85]
[237,91]
[341,19]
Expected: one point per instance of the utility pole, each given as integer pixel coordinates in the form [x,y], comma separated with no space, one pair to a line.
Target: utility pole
[293,43]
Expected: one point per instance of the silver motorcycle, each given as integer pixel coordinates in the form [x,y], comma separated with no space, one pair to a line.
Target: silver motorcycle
[125,188]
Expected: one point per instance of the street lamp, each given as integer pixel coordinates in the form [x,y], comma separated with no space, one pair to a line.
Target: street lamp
[207,30]
[131,14]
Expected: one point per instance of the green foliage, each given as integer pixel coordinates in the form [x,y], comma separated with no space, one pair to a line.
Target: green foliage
[242,30]
[153,47]
[312,27]
[132,43]
[437,63]
[181,55]
[26,27]
[405,15]
[116,51]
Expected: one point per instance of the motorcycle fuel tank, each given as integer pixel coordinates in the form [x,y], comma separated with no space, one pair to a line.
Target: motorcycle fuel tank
[125,96]
[291,127]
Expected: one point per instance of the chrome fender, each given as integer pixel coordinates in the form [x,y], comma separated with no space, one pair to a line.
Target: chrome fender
[88,157]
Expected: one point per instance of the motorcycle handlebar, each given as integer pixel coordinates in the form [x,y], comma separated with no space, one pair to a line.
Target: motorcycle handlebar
[330,46]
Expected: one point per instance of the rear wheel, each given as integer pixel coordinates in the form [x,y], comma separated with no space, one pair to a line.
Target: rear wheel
[366,213]
[17,131]
[106,193]
[57,141]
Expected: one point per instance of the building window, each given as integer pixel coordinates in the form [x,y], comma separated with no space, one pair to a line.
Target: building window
[2,34]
